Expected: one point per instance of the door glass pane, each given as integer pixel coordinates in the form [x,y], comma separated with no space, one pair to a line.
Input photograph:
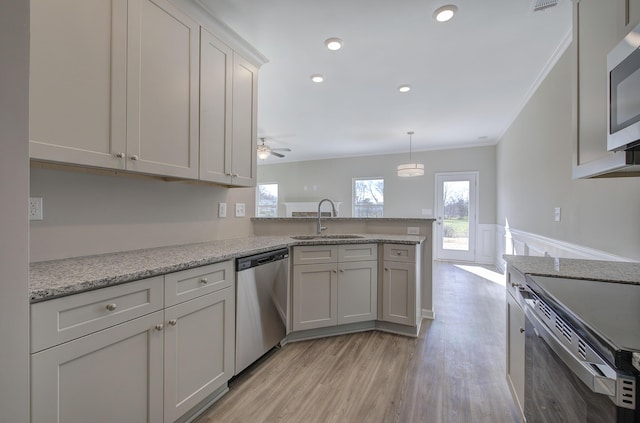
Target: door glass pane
[455,231]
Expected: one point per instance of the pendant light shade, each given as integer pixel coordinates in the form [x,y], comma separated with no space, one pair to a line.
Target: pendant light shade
[410,169]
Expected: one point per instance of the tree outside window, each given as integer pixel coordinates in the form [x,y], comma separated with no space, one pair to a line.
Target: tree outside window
[267,201]
[368,197]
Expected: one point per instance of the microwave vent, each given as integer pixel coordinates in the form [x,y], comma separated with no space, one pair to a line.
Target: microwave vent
[543,4]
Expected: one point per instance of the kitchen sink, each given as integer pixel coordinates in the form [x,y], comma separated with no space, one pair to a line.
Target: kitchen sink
[336,236]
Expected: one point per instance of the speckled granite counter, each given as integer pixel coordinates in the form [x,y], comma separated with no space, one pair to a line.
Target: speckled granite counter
[611,271]
[50,279]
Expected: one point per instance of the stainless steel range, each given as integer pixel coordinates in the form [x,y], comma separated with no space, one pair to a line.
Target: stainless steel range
[581,337]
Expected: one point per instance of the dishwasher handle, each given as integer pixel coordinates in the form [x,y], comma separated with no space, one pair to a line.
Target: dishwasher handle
[244,263]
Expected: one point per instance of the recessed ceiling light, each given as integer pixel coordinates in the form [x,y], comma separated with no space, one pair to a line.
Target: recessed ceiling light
[444,13]
[333,43]
[404,88]
[317,78]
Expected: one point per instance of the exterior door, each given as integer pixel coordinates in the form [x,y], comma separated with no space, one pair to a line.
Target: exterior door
[456,216]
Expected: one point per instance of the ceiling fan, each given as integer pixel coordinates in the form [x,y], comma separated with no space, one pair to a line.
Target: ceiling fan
[264,151]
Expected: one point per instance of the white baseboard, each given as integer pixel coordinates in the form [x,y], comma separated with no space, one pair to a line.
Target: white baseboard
[428,314]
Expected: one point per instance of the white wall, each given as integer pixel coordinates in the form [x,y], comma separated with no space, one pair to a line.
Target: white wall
[92,214]
[534,176]
[14,187]
[404,197]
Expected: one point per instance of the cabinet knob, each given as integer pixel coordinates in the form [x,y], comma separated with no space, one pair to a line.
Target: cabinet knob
[173,322]
[386,269]
[341,270]
[513,284]
[399,253]
[119,155]
[159,327]
[334,271]
[521,330]
[111,307]
[235,175]
[204,281]
[134,157]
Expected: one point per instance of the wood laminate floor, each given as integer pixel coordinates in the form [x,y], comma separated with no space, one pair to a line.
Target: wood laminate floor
[453,372]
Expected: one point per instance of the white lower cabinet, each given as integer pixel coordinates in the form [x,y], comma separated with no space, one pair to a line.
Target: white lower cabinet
[401,285]
[199,345]
[515,319]
[154,367]
[114,375]
[340,287]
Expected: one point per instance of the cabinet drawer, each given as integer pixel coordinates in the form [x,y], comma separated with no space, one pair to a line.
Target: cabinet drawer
[313,254]
[192,283]
[357,252]
[400,252]
[63,319]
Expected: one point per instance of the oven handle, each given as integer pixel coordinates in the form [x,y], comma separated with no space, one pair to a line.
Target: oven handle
[583,370]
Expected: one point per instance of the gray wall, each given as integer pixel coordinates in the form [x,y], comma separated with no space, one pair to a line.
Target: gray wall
[14,188]
[534,161]
[92,214]
[403,197]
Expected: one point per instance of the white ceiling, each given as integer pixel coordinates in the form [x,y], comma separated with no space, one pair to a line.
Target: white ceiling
[470,76]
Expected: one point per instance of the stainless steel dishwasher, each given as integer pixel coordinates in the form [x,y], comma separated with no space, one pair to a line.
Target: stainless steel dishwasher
[261,304]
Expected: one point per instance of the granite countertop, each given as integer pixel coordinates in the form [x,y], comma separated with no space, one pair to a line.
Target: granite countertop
[57,278]
[609,271]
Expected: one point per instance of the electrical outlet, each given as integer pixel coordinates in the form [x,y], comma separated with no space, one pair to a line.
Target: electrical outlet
[35,208]
[413,230]
[556,215]
[222,209]
[239,209]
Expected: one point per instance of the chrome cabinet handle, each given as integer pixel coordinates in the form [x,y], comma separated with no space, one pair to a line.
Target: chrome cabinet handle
[204,281]
[111,307]
[159,327]
[134,157]
[119,155]
[173,322]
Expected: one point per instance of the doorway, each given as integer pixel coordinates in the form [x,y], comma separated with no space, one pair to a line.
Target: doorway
[456,216]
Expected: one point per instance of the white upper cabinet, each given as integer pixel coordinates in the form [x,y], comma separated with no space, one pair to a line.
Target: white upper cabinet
[216,68]
[117,84]
[162,90]
[245,122]
[77,101]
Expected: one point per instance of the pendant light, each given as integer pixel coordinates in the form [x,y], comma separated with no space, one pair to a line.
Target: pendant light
[410,169]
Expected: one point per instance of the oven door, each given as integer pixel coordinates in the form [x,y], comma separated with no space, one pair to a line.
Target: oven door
[556,389]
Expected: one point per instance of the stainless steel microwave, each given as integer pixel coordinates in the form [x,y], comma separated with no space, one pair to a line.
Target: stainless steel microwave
[623,71]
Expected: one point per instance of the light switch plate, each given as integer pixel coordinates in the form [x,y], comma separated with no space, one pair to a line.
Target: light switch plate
[222,209]
[556,214]
[239,209]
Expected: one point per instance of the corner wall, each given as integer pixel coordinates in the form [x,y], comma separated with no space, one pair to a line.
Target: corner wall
[533,177]
[14,229]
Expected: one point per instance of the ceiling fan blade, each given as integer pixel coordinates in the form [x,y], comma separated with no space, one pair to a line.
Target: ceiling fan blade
[280,149]
[273,153]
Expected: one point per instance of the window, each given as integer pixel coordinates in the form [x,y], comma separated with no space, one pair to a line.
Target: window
[368,197]
[267,201]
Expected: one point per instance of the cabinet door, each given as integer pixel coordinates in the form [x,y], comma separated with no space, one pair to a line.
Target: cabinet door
[597,27]
[357,291]
[515,351]
[162,90]
[77,96]
[315,296]
[114,375]
[244,126]
[199,350]
[399,293]
[216,68]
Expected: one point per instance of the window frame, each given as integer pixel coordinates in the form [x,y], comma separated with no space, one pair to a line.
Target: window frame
[355,207]
[274,206]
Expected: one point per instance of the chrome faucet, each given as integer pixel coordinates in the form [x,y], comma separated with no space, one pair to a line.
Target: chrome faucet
[334,213]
